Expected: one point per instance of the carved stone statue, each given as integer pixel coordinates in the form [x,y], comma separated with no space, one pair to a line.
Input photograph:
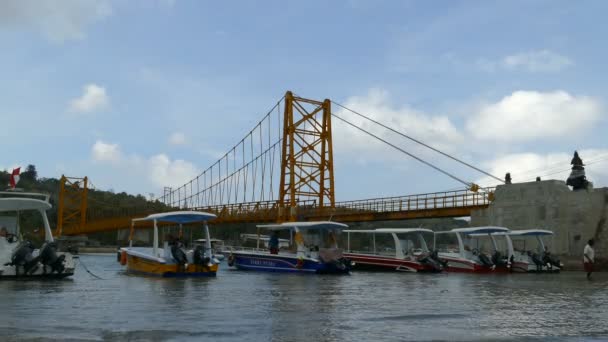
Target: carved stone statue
[577,179]
[508,178]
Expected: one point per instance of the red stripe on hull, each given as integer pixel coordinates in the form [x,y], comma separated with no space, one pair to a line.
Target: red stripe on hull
[386,263]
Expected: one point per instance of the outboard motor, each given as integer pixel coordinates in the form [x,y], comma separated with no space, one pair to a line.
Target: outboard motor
[48,257]
[485,260]
[553,262]
[428,259]
[435,256]
[178,254]
[199,257]
[537,261]
[498,260]
[23,256]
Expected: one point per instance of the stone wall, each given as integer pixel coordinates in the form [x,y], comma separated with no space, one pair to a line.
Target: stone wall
[574,216]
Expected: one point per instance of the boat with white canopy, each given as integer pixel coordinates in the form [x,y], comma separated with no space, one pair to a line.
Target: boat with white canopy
[471,249]
[528,253]
[314,249]
[18,256]
[171,259]
[408,252]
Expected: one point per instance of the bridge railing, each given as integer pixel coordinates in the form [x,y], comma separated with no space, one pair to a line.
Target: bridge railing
[418,202]
[436,200]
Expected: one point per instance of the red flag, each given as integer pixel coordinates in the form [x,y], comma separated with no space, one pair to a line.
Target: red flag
[15,177]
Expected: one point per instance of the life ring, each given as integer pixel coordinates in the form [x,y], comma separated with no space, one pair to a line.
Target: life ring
[231,260]
[123,257]
[300,263]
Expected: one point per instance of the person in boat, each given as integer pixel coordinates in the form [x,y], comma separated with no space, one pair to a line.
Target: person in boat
[589,258]
[3,231]
[273,243]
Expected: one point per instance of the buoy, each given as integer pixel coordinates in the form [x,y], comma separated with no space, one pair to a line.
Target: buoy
[123,257]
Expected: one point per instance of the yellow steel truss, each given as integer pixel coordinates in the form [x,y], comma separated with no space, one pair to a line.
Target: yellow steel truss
[72,206]
[307,171]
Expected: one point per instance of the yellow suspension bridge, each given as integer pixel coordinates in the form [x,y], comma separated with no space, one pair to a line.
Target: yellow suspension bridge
[281,170]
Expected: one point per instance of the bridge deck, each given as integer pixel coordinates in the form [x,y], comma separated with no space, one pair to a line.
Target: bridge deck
[433,205]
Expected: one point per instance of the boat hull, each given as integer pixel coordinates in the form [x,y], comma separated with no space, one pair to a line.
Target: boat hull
[383,263]
[525,267]
[39,271]
[454,264]
[142,266]
[284,264]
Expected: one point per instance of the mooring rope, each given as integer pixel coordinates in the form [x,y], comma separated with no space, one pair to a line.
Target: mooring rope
[89,272]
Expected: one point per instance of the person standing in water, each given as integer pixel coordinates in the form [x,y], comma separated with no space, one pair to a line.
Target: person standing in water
[589,258]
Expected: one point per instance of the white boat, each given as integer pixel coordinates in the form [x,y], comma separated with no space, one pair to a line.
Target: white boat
[471,250]
[18,257]
[527,251]
[315,250]
[409,254]
[171,260]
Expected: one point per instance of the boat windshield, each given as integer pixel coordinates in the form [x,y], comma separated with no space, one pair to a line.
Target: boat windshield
[447,243]
[315,239]
[412,243]
[9,224]
[478,244]
[527,243]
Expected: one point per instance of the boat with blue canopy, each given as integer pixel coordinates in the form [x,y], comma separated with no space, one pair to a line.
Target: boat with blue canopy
[528,253]
[471,249]
[405,250]
[171,259]
[314,249]
[19,258]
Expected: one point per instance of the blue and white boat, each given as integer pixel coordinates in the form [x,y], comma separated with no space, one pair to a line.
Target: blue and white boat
[314,249]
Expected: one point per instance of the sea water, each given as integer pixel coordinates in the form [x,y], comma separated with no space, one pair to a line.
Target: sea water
[255,306]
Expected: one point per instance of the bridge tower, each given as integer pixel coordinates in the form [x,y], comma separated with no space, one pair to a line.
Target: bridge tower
[307,169]
[72,206]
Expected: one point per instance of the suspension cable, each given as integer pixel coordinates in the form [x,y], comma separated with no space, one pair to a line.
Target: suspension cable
[420,142]
[470,185]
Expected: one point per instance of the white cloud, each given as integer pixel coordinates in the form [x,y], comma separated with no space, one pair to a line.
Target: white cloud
[177,138]
[531,61]
[94,98]
[104,152]
[58,20]
[166,172]
[436,130]
[525,167]
[530,115]
[537,61]
[159,169]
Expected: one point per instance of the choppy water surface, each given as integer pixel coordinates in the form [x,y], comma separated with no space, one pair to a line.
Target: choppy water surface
[255,306]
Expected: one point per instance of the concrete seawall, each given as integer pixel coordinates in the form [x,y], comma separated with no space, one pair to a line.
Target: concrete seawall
[574,216]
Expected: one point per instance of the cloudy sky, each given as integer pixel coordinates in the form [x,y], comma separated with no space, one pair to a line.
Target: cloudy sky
[142,94]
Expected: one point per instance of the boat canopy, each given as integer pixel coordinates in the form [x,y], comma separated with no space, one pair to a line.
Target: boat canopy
[181,217]
[304,225]
[212,240]
[389,230]
[403,230]
[530,232]
[478,230]
[20,204]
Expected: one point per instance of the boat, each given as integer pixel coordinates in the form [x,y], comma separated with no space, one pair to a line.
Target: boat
[19,259]
[528,253]
[172,259]
[471,250]
[409,252]
[314,249]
